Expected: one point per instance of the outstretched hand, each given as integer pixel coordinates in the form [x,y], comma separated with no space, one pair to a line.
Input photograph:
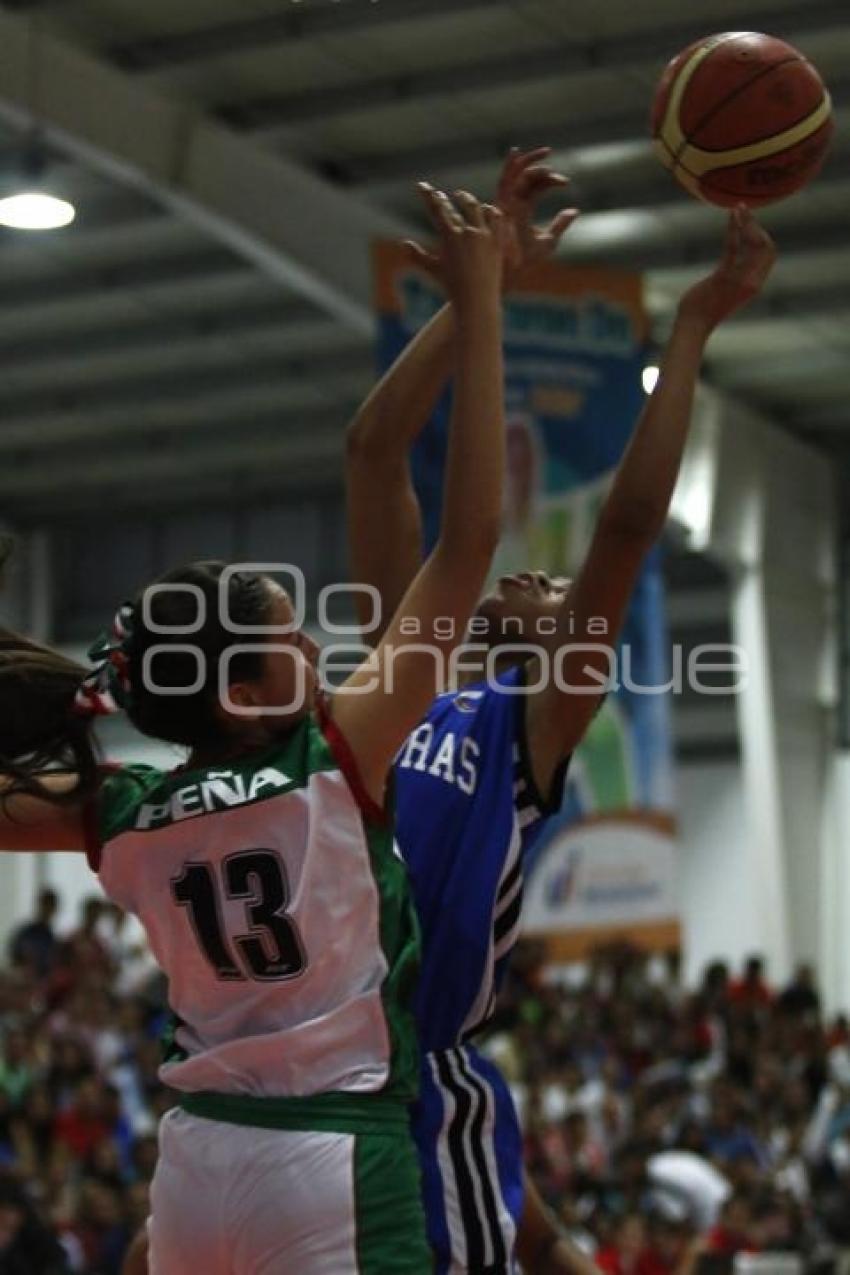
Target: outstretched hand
[525,179]
[476,243]
[748,257]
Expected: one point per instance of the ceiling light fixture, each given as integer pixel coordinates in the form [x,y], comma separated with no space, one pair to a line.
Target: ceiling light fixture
[35,210]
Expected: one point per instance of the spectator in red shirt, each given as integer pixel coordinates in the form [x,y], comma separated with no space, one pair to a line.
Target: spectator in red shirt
[670,1247]
[624,1255]
[83,1126]
[751,991]
[732,1234]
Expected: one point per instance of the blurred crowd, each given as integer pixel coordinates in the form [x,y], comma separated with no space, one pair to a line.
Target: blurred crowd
[672,1129]
[669,1128]
[80,1019]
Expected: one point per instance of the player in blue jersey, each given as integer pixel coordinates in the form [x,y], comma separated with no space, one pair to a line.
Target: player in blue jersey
[477,778]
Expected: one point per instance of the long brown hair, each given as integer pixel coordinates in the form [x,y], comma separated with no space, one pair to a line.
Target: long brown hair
[39,730]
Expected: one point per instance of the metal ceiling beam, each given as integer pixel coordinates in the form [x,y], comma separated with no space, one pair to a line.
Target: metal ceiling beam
[820,376]
[697,251]
[20,6]
[191,293]
[243,347]
[177,386]
[151,333]
[301,231]
[169,464]
[402,165]
[125,277]
[364,169]
[87,254]
[627,54]
[283,400]
[792,306]
[286,110]
[245,35]
[209,492]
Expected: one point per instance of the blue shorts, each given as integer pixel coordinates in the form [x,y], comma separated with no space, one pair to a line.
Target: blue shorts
[470,1152]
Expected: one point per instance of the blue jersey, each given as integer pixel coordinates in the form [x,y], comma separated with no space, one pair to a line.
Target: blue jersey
[467,813]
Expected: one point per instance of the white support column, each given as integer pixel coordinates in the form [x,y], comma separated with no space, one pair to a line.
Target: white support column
[834,963]
[763,504]
[765,843]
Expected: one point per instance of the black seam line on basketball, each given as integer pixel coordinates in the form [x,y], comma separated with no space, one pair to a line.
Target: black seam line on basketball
[719,106]
[719,150]
[488,1189]
[473,1231]
[719,44]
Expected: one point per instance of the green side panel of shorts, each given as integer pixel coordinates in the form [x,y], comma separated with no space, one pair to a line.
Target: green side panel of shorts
[388,1207]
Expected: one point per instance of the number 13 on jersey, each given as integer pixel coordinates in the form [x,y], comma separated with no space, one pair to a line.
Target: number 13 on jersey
[271,948]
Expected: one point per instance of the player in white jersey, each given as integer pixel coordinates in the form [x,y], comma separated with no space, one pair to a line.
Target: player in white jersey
[479,775]
[264,871]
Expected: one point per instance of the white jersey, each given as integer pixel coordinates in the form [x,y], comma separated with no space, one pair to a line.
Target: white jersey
[278,908]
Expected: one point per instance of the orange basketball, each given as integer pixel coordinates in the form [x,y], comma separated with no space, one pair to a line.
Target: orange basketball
[741,118]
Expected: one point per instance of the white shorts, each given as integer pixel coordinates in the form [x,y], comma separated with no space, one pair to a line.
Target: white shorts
[231,1200]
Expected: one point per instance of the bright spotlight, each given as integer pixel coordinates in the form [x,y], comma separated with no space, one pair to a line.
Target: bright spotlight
[33,210]
[650,377]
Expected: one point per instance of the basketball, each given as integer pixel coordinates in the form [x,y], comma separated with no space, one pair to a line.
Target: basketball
[741,118]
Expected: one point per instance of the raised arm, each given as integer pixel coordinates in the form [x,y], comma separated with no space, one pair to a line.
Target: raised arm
[384,519]
[634,514]
[382,702]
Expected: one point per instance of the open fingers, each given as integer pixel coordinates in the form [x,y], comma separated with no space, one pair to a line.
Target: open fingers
[444,216]
[522,159]
[518,161]
[541,175]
